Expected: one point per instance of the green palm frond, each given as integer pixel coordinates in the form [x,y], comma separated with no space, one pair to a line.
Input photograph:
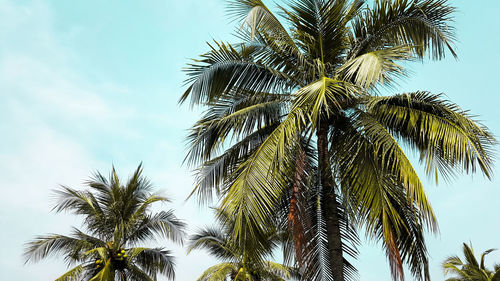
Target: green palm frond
[164,224]
[105,274]
[471,269]
[156,260]
[376,67]
[224,69]
[483,255]
[446,136]
[218,272]
[320,27]
[249,197]
[381,146]
[243,260]
[44,246]
[280,270]
[323,98]
[213,240]
[137,274]
[241,114]
[259,19]
[72,274]
[212,175]
[424,25]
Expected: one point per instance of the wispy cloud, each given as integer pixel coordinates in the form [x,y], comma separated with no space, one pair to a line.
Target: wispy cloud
[58,125]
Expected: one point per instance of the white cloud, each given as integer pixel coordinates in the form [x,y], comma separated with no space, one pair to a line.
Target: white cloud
[55,126]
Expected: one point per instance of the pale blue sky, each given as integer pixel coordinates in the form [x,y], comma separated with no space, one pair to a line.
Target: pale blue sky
[88,84]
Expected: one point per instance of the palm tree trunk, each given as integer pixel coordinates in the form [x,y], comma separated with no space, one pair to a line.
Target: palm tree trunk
[331,207]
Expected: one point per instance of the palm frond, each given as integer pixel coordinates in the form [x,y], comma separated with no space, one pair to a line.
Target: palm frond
[155,260]
[447,137]
[164,224]
[107,273]
[72,274]
[44,246]
[218,272]
[224,69]
[376,67]
[250,197]
[213,240]
[323,98]
[239,115]
[423,24]
[134,273]
[374,139]
[212,175]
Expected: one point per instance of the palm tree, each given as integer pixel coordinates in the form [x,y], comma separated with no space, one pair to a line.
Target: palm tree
[295,127]
[117,219]
[245,262]
[472,270]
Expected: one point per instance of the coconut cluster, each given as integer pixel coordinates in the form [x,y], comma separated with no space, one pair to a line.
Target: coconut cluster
[99,263]
[120,255]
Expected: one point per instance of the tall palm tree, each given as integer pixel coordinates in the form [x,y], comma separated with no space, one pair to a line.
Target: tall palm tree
[295,109]
[241,262]
[472,269]
[117,219]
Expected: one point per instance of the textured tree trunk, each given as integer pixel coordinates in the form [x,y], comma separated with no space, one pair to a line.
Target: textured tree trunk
[330,204]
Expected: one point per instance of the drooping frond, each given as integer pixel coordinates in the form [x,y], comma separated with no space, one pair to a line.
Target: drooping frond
[373,142]
[154,261]
[423,24]
[250,197]
[72,274]
[164,224]
[213,174]
[225,70]
[316,264]
[218,272]
[372,171]
[44,246]
[259,19]
[134,273]
[213,240]
[445,135]
[234,117]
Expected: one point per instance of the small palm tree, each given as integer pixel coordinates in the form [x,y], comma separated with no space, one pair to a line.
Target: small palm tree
[472,269]
[241,261]
[117,218]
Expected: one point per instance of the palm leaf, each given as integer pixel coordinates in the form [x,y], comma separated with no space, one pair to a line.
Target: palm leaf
[446,136]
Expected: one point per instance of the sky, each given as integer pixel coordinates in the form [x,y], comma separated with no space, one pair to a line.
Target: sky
[85,85]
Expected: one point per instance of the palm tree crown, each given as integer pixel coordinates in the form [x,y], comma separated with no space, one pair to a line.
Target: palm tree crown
[295,127]
[472,269]
[117,218]
[244,262]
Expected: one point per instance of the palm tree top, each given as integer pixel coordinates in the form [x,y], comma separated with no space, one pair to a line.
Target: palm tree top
[117,219]
[246,261]
[470,269]
[295,107]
